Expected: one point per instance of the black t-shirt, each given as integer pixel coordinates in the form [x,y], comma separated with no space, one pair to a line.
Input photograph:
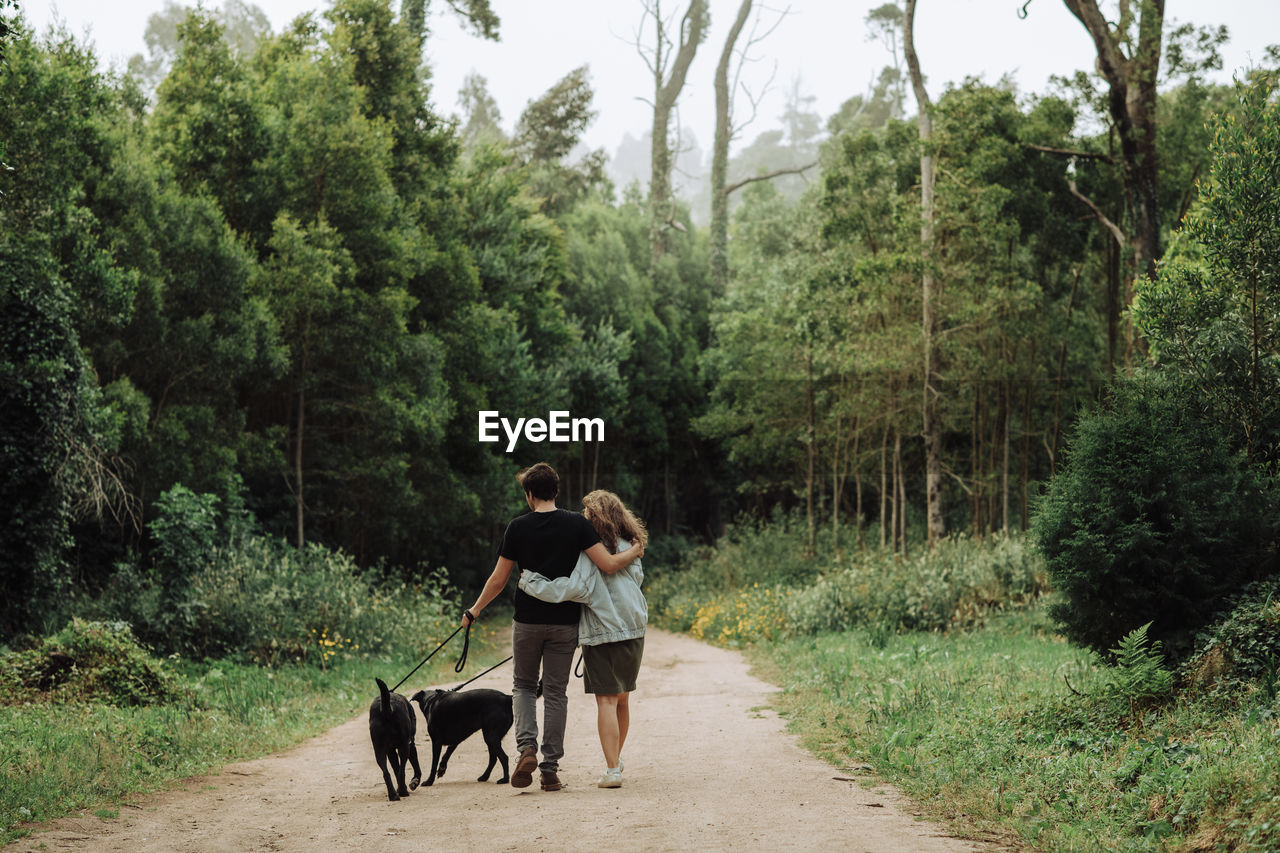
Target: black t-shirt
[548,543]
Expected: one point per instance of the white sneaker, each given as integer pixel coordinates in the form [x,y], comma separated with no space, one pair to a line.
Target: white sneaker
[610,779]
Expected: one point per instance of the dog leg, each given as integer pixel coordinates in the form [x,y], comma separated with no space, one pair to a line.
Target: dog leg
[417,769]
[496,754]
[380,755]
[493,759]
[435,761]
[399,761]
[444,762]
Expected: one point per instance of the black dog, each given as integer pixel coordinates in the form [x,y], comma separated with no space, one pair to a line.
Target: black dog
[453,717]
[392,725]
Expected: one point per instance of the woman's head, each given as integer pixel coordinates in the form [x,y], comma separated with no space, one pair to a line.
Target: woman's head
[612,520]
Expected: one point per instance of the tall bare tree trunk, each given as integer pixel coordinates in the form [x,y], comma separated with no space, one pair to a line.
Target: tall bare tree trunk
[297,464]
[897,476]
[857,496]
[1025,518]
[1062,372]
[666,91]
[975,458]
[932,425]
[900,475]
[1007,405]
[1132,104]
[720,155]
[811,440]
[884,484]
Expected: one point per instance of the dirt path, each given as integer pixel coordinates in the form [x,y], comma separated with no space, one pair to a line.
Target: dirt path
[708,767]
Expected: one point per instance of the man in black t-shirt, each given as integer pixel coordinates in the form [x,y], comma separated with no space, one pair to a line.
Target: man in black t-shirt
[547,540]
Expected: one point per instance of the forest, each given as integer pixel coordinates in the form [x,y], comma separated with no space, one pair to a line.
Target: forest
[263,269]
[950,353]
[258,277]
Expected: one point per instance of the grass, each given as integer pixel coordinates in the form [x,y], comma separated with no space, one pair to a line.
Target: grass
[58,758]
[1009,732]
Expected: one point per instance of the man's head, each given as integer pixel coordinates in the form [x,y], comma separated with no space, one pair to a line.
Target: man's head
[540,481]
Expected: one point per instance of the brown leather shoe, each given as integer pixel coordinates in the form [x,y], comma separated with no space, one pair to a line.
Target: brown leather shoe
[550,781]
[525,765]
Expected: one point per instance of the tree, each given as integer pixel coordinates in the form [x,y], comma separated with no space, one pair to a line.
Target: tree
[7,29]
[208,126]
[483,119]
[932,426]
[1213,313]
[43,394]
[1154,518]
[1130,62]
[476,13]
[301,280]
[549,129]
[720,152]
[727,130]
[669,73]
[243,24]
[57,277]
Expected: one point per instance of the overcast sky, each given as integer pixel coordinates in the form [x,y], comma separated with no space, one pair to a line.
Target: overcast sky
[822,44]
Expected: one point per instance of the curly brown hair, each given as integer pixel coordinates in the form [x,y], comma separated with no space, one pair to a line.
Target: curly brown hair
[612,520]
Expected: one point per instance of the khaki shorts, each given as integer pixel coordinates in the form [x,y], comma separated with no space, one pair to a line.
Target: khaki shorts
[611,668]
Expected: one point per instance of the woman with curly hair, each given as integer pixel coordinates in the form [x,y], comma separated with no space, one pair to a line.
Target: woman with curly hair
[611,627]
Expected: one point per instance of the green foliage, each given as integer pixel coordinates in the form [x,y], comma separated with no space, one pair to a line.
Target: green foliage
[264,601]
[1139,675]
[756,584]
[981,729]
[59,760]
[185,533]
[43,396]
[1244,648]
[959,584]
[1154,518]
[1213,314]
[208,125]
[88,662]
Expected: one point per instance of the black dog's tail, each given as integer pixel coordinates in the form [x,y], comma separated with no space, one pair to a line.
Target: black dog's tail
[386,697]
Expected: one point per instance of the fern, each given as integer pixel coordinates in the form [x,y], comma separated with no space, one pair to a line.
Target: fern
[1139,675]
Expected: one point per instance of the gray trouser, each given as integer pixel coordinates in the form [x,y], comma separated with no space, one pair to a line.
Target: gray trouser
[549,647]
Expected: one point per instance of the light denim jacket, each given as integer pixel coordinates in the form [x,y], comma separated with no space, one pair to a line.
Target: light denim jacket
[615,608]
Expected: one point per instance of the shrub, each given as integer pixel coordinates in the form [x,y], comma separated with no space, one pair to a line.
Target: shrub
[956,585]
[87,661]
[263,599]
[1154,518]
[1244,647]
[185,532]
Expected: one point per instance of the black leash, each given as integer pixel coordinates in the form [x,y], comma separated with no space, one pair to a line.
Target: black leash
[486,672]
[462,659]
